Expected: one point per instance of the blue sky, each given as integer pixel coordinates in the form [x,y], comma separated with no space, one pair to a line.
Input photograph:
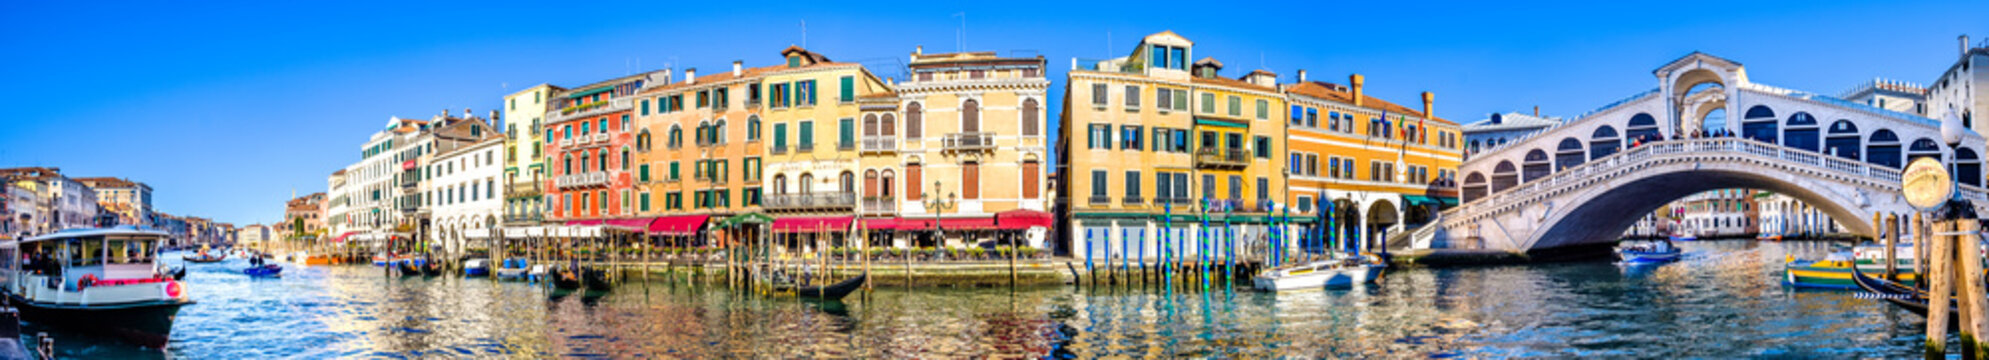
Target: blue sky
[226,108]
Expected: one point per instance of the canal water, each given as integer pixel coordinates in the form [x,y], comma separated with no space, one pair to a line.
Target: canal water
[1723,300]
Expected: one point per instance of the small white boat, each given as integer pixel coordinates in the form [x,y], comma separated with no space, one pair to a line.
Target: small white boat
[512,269]
[476,267]
[1653,252]
[1331,273]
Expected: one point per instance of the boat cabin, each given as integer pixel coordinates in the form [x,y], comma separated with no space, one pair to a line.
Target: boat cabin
[70,260]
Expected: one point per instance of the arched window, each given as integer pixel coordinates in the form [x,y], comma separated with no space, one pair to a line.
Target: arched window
[625,158]
[780,184]
[1760,125]
[914,120]
[567,165]
[1883,149]
[1759,112]
[870,184]
[1474,187]
[1504,176]
[889,126]
[603,156]
[676,136]
[718,131]
[1603,142]
[970,116]
[807,183]
[642,141]
[1642,126]
[1801,132]
[1536,166]
[1967,167]
[870,125]
[884,185]
[1030,121]
[846,182]
[753,128]
[704,133]
[1568,154]
[1843,140]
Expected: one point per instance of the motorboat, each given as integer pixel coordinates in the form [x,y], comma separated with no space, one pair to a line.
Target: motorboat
[204,256]
[381,259]
[1646,253]
[101,280]
[1337,272]
[513,269]
[538,273]
[476,267]
[271,270]
[1683,237]
[1832,272]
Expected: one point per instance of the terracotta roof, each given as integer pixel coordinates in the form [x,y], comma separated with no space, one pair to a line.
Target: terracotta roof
[96,182]
[818,58]
[1232,83]
[1328,91]
[714,78]
[1208,60]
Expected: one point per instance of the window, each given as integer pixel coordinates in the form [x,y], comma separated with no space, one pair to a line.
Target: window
[1208,186]
[753,128]
[625,158]
[1163,98]
[804,93]
[913,184]
[1098,184]
[848,88]
[1180,100]
[1129,137]
[807,134]
[794,61]
[846,129]
[1100,137]
[1132,97]
[642,173]
[1263,147]
[1132,186]
[1159,57]
[970,116]
[674,174]
[914,120]
[645,107]
[752,169]
[1162,185]
[1235,187]
[1098,95]
[1263,189]
[1208,103]
[780,95]
[970,178]
[645,202]
[1235,106]
[1263,109]
[1030,185]
[1030,119]
[1180,140]
[780,137]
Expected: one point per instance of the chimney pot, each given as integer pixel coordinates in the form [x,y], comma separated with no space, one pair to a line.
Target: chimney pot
[1354,82]
[691,76]
[738,68]
[920,50]
[1301,75]
[1536,111]
[1429,102]
[1964,44]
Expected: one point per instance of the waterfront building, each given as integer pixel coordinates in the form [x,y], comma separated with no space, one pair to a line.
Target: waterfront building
[524,154]
[1718,213]
[964,131]
[255,235]
[131,200]
[65,202]
[424,165]
[1963,90]
[812,156]
[1382,168]
[1787,216]
[301,219]
[337,204]
[1496,130]
[1891,95]
[462,194]
[700,149]
[589,144]
[23,208]
[1149,134]
[367,190]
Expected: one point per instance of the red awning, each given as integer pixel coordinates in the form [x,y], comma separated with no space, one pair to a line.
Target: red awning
[812,224]
[986,223]
[588,222]
[341,237]
[1023,219]
[881,224]
[628,224]
[678,225]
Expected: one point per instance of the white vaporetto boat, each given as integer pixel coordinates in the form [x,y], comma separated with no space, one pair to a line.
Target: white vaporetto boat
[97,280]
[1331,273]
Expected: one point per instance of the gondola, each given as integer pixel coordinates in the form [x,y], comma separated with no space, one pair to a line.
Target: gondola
[832,292]
[431,268]
[1906,297]
[565,278]
[597,279]
[408,267]
[271,270]
[205,258]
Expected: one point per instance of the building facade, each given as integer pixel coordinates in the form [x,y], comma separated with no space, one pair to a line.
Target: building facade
[1499,128]
[368,191]
[302,219]
[524,154]
[463,195]
[812,158]
[700,147]
[1961,91]
[1378,167]
[960,141]
[590,148]
[1149,135]
[131,200]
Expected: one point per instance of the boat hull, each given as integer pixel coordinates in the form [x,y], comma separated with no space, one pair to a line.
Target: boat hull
[147,323]
[1341,277]
[1805,274]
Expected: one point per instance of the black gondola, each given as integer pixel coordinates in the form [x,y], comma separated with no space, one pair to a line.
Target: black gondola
[832,292]
[431,268]
[566,278]
[408,267]
[1906,297]
[206,258]
[596,279]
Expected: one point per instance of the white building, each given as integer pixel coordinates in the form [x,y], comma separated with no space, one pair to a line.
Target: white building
[254,235]
[1781,214]
[368,192]
[1717,213]
[464,196]
[1960,90]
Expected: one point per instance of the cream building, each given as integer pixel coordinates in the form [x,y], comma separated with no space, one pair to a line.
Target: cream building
[962,140]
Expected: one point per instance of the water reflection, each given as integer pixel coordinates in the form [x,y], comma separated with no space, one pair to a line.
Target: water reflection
[1722,300]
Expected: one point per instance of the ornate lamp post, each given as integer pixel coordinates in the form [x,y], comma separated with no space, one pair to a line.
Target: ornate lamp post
[938,205]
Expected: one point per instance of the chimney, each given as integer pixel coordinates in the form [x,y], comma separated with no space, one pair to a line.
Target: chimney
[1536,111]
[493,115]
[920,50]
[738,68]
[468,114]
[691,76]
[1354,83]
[1964,44]
[1429,101]
[1301,76]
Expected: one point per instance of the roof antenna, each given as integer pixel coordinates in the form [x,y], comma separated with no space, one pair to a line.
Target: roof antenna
[804,33]
[962,36]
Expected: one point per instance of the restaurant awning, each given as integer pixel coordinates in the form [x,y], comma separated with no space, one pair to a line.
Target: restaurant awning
[1418,200]
[587,222]
[341,237]
[747,218]
[812,224]
[678,225]
[986,223]
[628,224]
[882,224]
[1022,219]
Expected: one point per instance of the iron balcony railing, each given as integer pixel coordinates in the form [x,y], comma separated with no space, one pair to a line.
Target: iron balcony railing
[585,179]
[1101,200]
[968,141]
[804,147]
[811,201]
[1222,157]
[779,149]
[880,205]
[880,143]
[522,189]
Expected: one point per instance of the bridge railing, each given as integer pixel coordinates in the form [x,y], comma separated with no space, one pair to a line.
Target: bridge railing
[1537,190]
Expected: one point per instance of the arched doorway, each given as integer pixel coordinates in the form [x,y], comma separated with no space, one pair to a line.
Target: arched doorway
[1346,222]
[1380,216]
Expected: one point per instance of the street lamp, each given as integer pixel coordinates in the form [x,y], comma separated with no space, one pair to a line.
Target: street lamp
[937,204]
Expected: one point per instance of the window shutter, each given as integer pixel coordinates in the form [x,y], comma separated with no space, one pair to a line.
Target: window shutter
[848,88]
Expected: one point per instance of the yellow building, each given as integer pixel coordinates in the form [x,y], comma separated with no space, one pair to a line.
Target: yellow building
[699,149]
[1151,134]
[811,125]
[970,149]
[524,171]
[1379,166]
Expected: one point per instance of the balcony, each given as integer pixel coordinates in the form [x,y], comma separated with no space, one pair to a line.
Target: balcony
[1222,158]
[1161,201]
[880,205]
[581,180]
[779,149]
[601,138]
[522,189]
[968,141]
[566,142]
[592,109]
[838,200]
[532,218]
[880,143]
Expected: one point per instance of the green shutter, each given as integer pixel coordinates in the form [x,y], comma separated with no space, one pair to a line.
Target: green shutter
[645,202]
[645,107]
[780,136]
[645,172]
[848,132]
[673,171]
[807,133]
[848,88]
